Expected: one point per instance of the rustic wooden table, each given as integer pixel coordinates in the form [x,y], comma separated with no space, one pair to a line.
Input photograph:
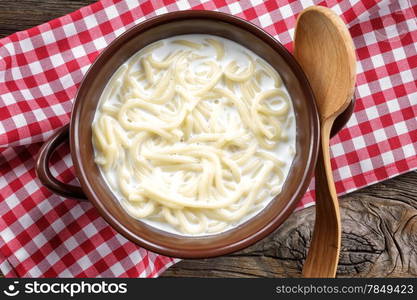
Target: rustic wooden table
[379,222]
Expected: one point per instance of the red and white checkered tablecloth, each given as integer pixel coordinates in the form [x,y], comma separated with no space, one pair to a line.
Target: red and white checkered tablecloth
[42,234]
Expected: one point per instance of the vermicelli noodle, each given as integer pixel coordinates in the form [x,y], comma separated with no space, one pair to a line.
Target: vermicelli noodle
[195,132]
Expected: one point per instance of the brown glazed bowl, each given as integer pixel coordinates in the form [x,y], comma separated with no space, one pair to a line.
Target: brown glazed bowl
[93,186]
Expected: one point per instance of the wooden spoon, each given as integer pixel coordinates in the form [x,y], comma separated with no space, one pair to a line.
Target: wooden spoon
[325,51]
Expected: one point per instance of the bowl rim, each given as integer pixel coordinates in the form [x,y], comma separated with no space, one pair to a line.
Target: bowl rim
[298,193]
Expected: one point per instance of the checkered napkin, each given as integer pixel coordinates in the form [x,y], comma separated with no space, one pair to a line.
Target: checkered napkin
[42,234]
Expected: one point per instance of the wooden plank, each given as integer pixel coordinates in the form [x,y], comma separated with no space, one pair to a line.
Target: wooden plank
[379,239]
[22,14]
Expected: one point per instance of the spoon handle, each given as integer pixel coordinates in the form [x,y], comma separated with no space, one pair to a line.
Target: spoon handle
[323,255]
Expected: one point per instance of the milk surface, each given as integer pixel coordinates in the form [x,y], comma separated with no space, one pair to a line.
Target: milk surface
[285,151]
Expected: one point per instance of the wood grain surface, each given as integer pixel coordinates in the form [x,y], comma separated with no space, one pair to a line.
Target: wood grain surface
[379,223]
[379,239]
[16,15]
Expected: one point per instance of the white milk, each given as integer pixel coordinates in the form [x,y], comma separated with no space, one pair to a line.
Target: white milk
[285,151]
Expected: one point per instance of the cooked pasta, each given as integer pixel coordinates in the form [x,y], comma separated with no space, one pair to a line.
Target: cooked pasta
[195,132]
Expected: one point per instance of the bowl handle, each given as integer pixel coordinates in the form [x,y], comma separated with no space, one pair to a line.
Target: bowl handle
[44,173]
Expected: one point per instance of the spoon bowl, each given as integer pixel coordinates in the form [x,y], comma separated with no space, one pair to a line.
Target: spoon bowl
[325,51]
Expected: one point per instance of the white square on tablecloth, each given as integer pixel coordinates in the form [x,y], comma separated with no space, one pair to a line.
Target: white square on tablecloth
[100,43]
[286,11]
[385,82]
[377,60]
[21,254]
[46,89]
[162,10]
[7,99]
[235,8]
[19,120]
[337,150]
[407,76]
[39,114]
[369,38]
[387,158]
[67,81]
[69,29]
[52,258]
[35,67]
[371,112]
[39,240]
[111,12]
[27,95]
[90,21]
[399,53]
[7,235]
[409,151]
[401,128]
[183,4]
[344,172]
[48,37]
[57,60]
[359,142]
[90,230]
[132,4]
[393,105]
[366,165]
[78,51]
[16,73]
[265,20]
[363,90]
[256,2]
[117,269]
[26,45]
[380,135]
